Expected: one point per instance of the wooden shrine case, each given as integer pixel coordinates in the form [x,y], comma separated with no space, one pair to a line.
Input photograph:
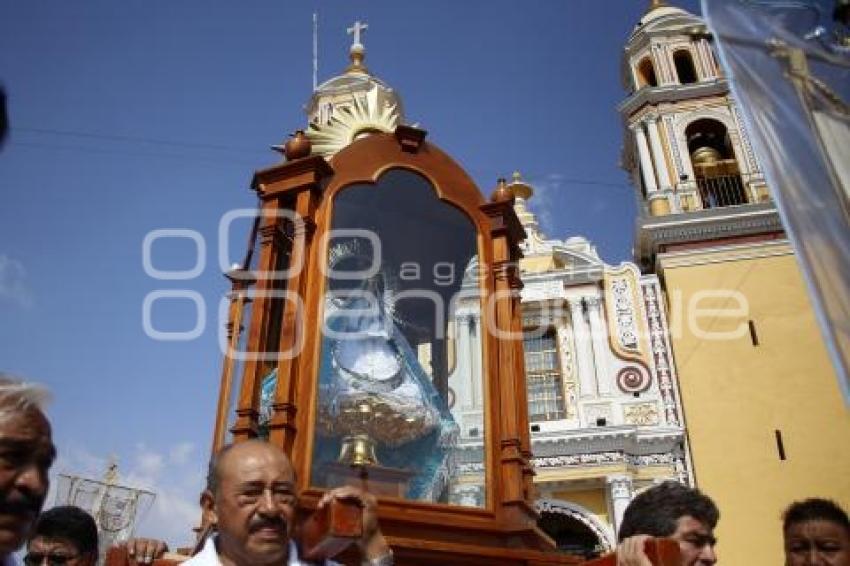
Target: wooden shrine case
[364,274]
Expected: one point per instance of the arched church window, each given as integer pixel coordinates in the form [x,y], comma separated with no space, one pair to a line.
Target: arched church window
[716,170]
[571,535]
[685,69]
[543,376]
[646,73]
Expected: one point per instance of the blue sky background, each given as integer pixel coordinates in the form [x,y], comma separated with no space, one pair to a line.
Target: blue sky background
[129,117]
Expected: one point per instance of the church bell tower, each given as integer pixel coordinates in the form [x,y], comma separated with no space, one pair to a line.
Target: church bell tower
[757,387]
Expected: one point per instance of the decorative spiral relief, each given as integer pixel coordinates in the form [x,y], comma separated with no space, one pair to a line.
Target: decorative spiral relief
[632,380]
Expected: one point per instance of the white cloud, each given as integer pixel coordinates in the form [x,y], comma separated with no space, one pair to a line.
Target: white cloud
[544,201]
[181,453]
[13,282]
[149,465]
[558,199]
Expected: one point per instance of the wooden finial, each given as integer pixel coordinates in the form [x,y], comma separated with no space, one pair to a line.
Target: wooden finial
[502,192]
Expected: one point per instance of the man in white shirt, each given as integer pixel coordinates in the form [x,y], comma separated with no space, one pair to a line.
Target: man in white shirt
[251,499]
[26,454]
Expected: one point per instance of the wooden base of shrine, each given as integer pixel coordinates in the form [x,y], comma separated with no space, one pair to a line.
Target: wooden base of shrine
[378,480]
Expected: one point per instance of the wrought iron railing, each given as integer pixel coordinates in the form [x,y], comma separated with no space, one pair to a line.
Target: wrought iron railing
[722,190]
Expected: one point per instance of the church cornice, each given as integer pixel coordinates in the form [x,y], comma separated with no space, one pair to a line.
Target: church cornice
[571,275]
[671,93]
[723,254]
[629,440]
[705,225]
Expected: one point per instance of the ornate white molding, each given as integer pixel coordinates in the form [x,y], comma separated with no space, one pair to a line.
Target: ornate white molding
[641,414]
[542,290]
[620,486]
[642,460]
[630,439]
[568,371]
[624,314]
[745,139]
[602,531]
[721,114]
[662,366]
[566,349]
[567,461]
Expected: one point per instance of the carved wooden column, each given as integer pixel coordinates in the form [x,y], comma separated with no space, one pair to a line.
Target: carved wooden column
[514,442]
[240,280]
[516,285]
[298,185]
[247,411]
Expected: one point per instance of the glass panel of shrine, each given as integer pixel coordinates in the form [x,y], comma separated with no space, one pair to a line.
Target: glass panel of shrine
[400,376]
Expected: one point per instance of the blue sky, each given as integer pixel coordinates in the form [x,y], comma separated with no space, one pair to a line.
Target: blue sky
[129,117]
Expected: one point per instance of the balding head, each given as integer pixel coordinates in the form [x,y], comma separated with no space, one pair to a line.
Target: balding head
[224,454]
[251,499]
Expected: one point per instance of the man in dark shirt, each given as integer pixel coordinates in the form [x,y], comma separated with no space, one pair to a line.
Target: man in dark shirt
[670,510]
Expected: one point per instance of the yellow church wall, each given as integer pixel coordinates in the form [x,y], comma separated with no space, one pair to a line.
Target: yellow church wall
[651,473]
[736,395]
[578,473]
[591,499]
[539,264]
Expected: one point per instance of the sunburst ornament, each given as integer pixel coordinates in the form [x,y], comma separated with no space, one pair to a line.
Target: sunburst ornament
[366,115]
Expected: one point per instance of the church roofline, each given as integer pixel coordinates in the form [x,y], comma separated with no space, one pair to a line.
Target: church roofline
[671,23]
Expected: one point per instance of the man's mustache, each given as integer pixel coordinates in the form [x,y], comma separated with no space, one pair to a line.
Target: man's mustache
[22,505]
[277,523]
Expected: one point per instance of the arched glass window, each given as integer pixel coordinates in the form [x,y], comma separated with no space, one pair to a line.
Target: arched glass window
[646,73]
[685,69]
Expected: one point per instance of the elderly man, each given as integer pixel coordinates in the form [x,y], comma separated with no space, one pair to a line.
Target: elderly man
[670,510]
[63,535]
[251,499]
[26,453]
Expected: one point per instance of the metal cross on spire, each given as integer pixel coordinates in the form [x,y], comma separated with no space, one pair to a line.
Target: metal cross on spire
[356,30]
